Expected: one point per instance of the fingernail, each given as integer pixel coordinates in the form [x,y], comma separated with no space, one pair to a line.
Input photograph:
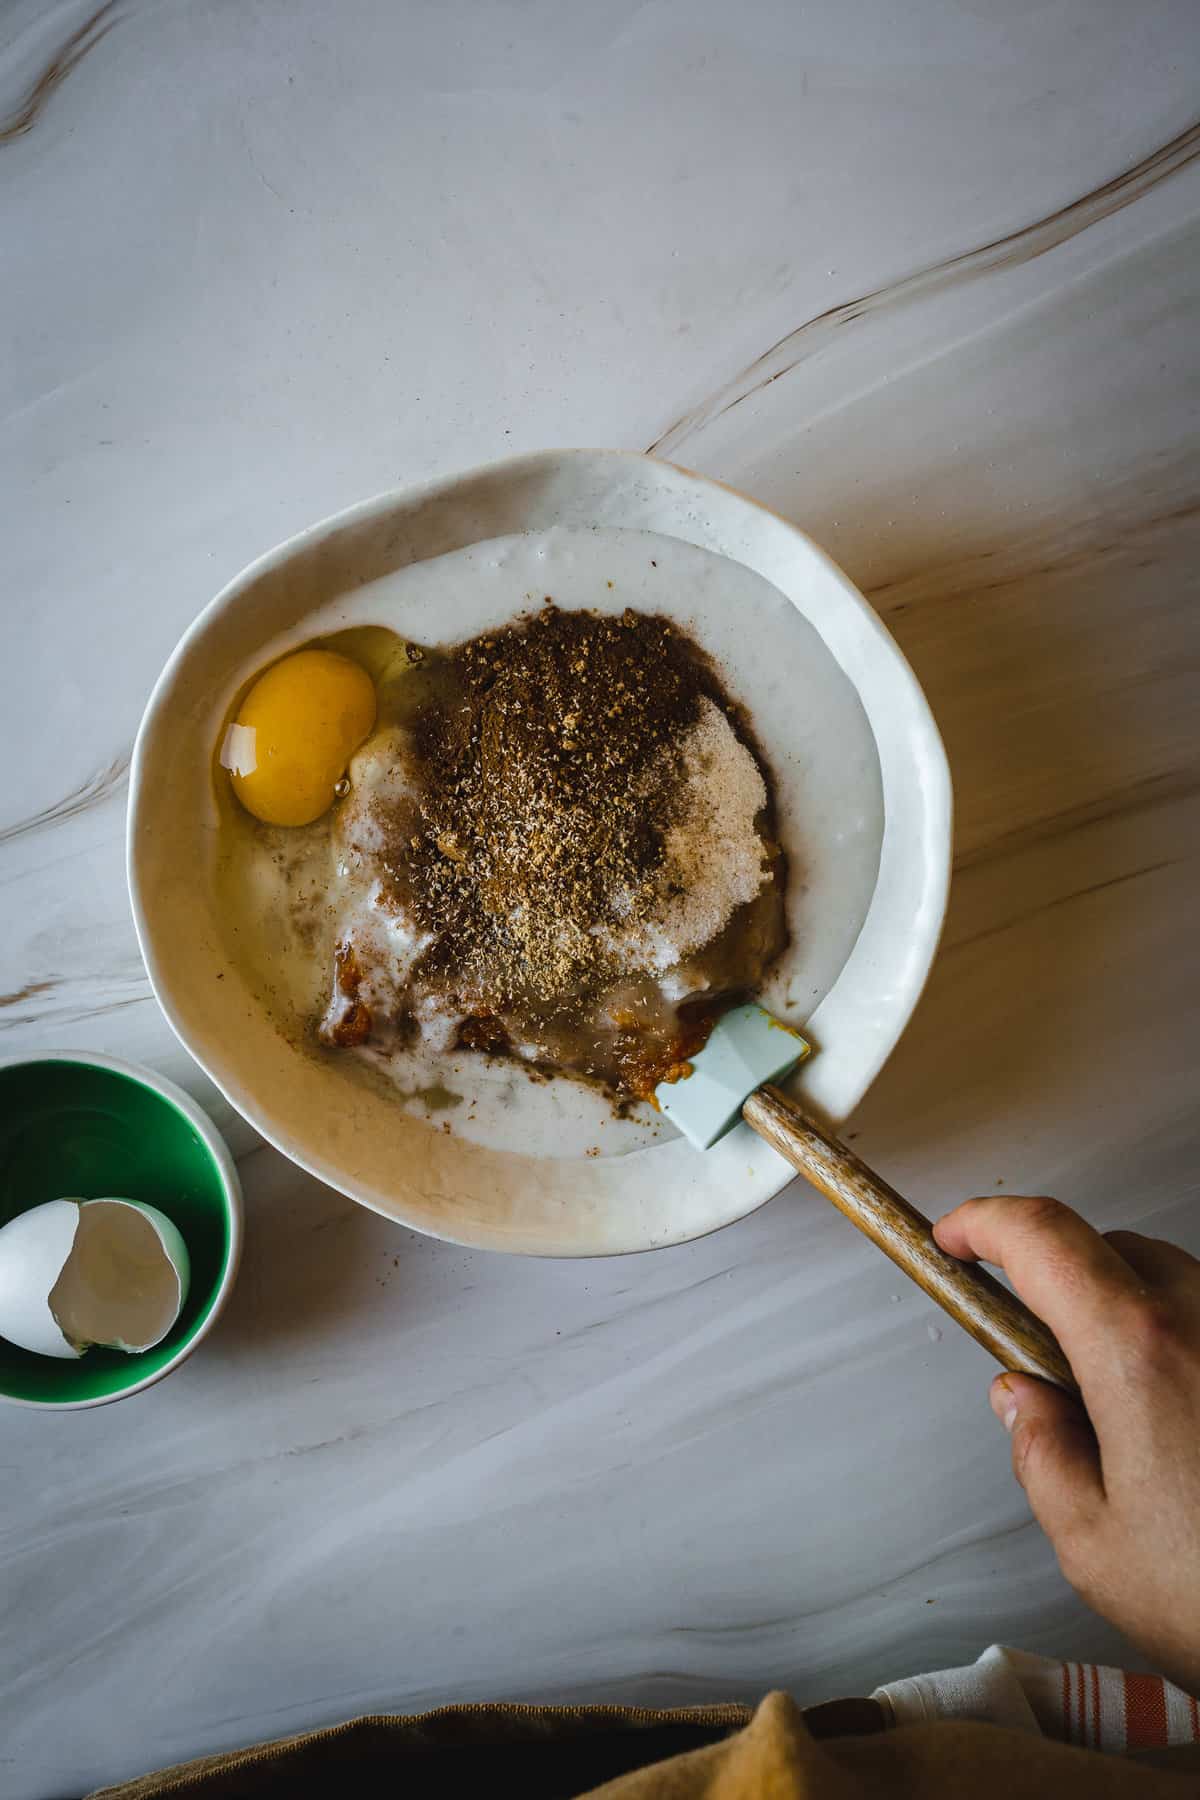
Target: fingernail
[1003,1404]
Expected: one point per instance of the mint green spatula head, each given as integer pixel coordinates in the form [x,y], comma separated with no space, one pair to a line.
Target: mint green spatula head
[746,1048]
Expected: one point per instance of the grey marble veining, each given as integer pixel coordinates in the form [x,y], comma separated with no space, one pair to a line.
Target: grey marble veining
[924,278]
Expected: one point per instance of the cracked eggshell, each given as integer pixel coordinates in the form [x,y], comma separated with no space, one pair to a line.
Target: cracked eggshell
[74,1273]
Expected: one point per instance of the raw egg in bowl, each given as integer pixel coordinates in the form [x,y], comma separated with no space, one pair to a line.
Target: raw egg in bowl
[294,734]
[277,733]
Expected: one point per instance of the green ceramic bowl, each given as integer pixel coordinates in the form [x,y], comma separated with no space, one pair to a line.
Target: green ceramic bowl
[72,1123]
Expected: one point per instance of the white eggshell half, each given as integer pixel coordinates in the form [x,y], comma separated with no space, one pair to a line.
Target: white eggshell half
[34,1249]
[126,1278]
[74,1273]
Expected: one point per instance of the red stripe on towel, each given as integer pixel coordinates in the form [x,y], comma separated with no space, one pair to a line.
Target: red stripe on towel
[1145,1712]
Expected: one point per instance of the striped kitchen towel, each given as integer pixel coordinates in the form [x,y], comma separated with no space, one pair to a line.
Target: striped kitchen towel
[1077,1703]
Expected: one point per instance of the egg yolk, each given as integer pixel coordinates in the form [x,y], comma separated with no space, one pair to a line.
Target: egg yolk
[308,713]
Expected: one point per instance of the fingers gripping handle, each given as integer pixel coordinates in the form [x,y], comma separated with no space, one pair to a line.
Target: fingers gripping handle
[986,1309]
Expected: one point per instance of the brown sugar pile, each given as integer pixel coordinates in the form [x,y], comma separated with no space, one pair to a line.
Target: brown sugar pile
[583,826]
[544,802]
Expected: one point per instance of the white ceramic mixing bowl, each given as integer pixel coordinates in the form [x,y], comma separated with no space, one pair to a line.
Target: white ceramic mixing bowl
[347,1131]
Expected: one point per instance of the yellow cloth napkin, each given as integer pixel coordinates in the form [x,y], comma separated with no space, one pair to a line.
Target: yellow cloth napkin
[837,1752]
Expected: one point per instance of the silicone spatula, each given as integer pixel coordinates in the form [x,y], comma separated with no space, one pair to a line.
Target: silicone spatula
[733,1078]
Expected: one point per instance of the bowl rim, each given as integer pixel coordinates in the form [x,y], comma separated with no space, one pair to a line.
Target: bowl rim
[936,839]
[231,1186]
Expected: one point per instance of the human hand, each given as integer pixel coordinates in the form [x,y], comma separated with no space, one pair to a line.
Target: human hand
[1116,1490]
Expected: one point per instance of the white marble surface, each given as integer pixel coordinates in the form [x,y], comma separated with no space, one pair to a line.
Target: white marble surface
[924,277]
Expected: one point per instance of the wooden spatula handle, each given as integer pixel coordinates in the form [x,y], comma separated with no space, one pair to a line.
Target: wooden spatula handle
[994,1317]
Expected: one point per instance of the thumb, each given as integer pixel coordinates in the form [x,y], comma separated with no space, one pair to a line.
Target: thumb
[1054,1454]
